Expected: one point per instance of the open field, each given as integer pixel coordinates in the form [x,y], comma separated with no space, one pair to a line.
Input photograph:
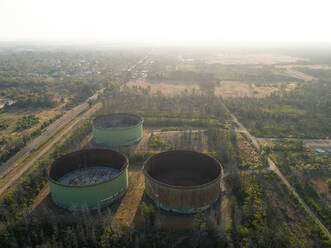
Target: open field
[165,88]
[193,140]
[12,118]
[315,67]
[314,144]
[22,163]
[226,90]
[320,182]
[252,58]
[300,75]
[240,89]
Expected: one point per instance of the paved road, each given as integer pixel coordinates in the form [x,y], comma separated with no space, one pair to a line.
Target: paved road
[274,168]
[44,136]
[45,149]
[13,165]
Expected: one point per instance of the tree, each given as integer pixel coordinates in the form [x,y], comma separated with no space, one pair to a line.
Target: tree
[329,184]
[149,214]
[199,221]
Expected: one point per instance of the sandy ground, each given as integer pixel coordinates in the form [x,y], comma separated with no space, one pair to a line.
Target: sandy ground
[129,206]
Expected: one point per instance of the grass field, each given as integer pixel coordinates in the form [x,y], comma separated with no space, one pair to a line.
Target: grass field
[226,90]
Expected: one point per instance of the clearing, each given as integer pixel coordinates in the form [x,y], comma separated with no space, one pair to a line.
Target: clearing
[226,90]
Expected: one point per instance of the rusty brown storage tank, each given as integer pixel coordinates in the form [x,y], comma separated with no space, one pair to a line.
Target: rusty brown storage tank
[182,181]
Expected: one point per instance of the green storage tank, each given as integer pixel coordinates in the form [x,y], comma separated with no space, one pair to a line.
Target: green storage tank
[88,178]
[115,130]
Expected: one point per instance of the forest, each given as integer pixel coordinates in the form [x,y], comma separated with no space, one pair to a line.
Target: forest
[195,72]
[300,166]
[302,113]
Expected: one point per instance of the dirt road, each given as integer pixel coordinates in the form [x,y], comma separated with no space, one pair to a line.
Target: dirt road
[274,168]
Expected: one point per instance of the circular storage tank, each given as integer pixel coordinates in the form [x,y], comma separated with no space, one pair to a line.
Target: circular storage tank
[88,178]
[117,129]
[182,181]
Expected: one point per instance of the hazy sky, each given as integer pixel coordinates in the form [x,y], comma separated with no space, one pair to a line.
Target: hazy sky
[179,21]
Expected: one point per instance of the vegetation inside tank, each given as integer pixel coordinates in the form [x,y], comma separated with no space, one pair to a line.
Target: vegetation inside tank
[89,175]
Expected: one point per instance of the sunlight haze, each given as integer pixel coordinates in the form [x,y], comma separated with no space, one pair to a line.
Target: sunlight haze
[165,21]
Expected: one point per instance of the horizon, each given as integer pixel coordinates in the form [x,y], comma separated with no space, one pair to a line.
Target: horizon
[149,22]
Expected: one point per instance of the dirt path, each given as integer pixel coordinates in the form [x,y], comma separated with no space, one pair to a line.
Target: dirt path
[40,197]
[143,144]
[274,168]
[225,208]
[129,205]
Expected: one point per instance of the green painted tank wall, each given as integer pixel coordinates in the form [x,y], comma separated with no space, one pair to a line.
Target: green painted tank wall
[118,136]
[90,196]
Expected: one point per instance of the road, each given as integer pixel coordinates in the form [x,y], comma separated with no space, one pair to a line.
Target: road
[274,168]
[45,136]
[15,167]
[20,170]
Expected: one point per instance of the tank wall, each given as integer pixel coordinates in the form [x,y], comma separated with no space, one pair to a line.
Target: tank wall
[90,196]
[119,136]
[182,200]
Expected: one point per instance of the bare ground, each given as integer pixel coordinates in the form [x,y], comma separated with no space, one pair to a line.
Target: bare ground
[320,183]
[129,206]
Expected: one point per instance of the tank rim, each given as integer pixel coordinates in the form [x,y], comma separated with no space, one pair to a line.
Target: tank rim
[192,187]
[140,122]
[123,168]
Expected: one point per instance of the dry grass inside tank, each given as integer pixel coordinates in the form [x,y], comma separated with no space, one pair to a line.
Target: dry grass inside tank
[90,175]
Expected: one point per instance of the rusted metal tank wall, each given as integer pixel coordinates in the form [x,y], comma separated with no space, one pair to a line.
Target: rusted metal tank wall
[182,199]
[182,181]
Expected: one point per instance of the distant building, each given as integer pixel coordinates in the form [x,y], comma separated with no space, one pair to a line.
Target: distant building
[321,152]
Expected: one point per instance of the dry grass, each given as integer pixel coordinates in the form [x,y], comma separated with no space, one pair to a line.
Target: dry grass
[314,67]
[164,88]
[320,183]
[249,152]
[129,206]
[239,89]
[252,58]
[12,118]
[226,90]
